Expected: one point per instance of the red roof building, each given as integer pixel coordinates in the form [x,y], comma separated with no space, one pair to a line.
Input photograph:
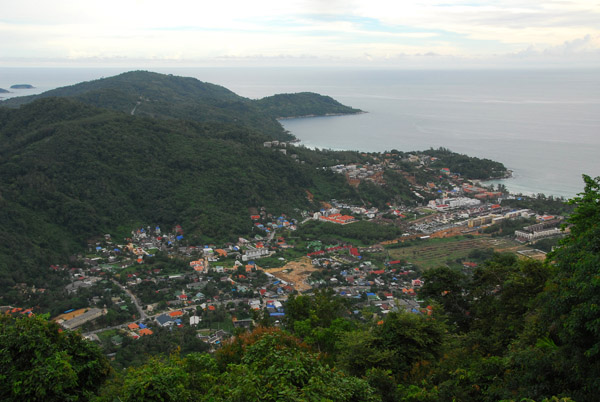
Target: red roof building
[338,218]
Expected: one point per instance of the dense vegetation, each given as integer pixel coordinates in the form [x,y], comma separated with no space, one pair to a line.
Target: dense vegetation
[474,168]
[302,104]
[40,363]
[170,97]
[70,171]
[542,203]
[364,232]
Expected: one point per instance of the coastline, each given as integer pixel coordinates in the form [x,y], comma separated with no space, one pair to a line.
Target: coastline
[308,116]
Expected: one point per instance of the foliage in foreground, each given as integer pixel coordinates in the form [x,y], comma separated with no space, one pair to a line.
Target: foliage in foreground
[38,362]
[266,364]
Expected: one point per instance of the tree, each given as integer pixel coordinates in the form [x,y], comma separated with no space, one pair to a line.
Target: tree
[558,351]
[263,365]
[38,362]
[575,289]
[571,303]
[276,366]
[504,290]
[400,342]
[447,286]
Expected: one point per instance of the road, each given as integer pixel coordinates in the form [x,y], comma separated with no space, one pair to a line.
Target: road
[143,315]
[135,107]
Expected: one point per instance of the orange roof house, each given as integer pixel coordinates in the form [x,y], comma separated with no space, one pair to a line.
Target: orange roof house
[145,331]
[133,326]
[177,313]
[338,218]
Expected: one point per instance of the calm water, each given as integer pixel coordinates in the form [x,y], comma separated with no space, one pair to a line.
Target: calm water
[544,125]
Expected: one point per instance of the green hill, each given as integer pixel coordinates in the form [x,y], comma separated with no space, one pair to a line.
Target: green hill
[302,104]
[144,93]
[69,171]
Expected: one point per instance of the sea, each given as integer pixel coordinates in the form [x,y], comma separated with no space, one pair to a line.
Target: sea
[544,125]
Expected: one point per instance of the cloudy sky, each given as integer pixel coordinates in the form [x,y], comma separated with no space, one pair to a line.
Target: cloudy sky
[301,32]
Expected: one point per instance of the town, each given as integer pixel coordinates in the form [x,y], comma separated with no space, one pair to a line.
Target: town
[155,278]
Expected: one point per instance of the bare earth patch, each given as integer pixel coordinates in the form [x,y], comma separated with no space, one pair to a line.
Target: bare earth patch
[295,273]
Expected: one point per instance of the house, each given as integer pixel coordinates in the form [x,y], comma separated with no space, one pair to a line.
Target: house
[338,218]
[416,282]
[217,337]
[246,323]
[254,254]
[221,252]
[145,331]
[164,320]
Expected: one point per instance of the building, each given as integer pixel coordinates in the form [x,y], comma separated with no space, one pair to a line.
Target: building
[255,253]
[525,236]
[338,218]
[83,316]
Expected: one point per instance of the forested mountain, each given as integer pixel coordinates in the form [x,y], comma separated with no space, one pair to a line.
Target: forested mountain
[142,147]
[69,171]
[171,97]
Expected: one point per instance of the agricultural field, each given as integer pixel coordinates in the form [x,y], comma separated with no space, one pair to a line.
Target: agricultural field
[435,252]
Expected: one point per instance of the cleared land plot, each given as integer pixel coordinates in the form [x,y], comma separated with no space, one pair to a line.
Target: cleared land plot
[295,273]
[436,252]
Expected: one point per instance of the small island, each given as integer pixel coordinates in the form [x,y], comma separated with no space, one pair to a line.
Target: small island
[4,91]
[22,86]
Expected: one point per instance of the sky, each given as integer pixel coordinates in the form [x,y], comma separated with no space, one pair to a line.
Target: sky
[434,33]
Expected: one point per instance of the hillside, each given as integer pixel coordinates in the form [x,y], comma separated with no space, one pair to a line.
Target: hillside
[302,104]
[69,171]
[162,96]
